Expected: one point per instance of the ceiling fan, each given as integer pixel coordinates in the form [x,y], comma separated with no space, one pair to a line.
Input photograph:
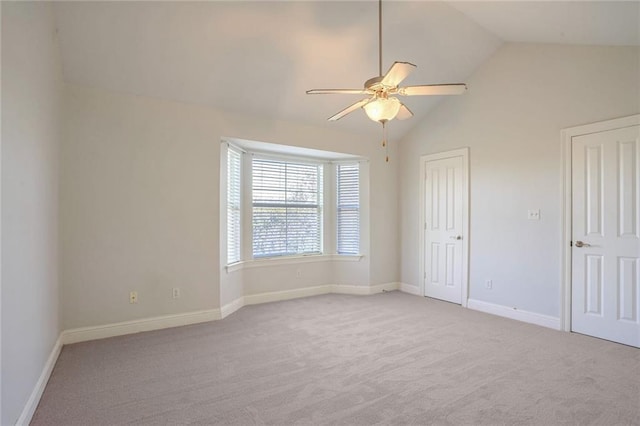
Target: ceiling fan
[381,103]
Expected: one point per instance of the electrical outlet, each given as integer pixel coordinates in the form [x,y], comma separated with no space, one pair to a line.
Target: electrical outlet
[133,297]
[488,284]
[176,292]
[533,214]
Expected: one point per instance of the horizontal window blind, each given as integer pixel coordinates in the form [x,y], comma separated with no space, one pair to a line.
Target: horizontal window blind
[348,205]
[234,161]
[287,208]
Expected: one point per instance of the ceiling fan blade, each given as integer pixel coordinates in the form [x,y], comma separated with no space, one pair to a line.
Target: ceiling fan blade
[433,89]
[338,91]
[404,113]
[349,109]
[398,72]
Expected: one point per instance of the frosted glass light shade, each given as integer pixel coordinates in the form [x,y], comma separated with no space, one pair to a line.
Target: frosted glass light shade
[382,109]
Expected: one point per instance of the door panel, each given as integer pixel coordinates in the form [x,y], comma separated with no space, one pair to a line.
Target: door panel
[627,187]
[593,190]
[605,298]
[593,285]
[443,226]
[628,289]
[451,267]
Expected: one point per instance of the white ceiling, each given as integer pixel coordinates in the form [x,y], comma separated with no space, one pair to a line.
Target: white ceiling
[258,58]
[612,23]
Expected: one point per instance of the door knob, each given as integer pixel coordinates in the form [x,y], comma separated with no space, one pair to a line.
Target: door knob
[457,237]
[581,244]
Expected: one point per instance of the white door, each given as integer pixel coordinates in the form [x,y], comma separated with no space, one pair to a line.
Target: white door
[605,288]
[443,231]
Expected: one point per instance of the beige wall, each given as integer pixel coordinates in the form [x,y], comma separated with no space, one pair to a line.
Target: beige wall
[31,89]
[140,207]
[511,119]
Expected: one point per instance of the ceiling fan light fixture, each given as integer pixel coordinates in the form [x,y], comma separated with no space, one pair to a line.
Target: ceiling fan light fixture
[382,109]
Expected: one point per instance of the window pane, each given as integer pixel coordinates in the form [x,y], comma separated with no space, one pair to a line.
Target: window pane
[348,203]
[287,208]
[234,158]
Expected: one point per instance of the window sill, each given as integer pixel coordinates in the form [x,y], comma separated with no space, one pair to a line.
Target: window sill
[291,260]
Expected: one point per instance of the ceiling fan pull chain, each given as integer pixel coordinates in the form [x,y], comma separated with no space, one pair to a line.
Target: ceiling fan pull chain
[386,153]
[385,142]
[384,134]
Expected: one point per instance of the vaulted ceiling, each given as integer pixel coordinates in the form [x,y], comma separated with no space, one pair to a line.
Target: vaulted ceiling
[259,58]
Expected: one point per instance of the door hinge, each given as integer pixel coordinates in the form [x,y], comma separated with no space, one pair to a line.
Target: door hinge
[570,243]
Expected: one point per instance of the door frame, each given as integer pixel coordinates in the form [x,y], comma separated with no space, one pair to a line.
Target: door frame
[567,136]
[424,159]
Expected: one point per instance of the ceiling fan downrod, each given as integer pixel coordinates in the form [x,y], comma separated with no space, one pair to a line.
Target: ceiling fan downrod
[380,38]
[385,143]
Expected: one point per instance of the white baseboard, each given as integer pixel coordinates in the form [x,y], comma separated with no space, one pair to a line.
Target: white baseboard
[34,399]
[363,290]
[166,321]
[276,296]
[410,289]
[136,326]
[516,314]
[231,307]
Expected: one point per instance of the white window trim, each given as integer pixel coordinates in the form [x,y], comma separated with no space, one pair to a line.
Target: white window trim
[329,237]
[292,260]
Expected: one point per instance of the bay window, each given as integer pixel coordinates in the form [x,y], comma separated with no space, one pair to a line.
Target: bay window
[280,205]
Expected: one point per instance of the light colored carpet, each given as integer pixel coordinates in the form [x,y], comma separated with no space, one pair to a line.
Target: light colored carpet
[390,358]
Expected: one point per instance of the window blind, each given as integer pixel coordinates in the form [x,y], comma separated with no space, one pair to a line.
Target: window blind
[234,160]
[348,205]
[287,208]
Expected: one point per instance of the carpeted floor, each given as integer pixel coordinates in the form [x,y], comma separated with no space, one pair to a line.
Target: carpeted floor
[390,358]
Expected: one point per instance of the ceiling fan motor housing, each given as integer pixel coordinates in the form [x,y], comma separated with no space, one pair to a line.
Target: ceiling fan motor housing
[375,85]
